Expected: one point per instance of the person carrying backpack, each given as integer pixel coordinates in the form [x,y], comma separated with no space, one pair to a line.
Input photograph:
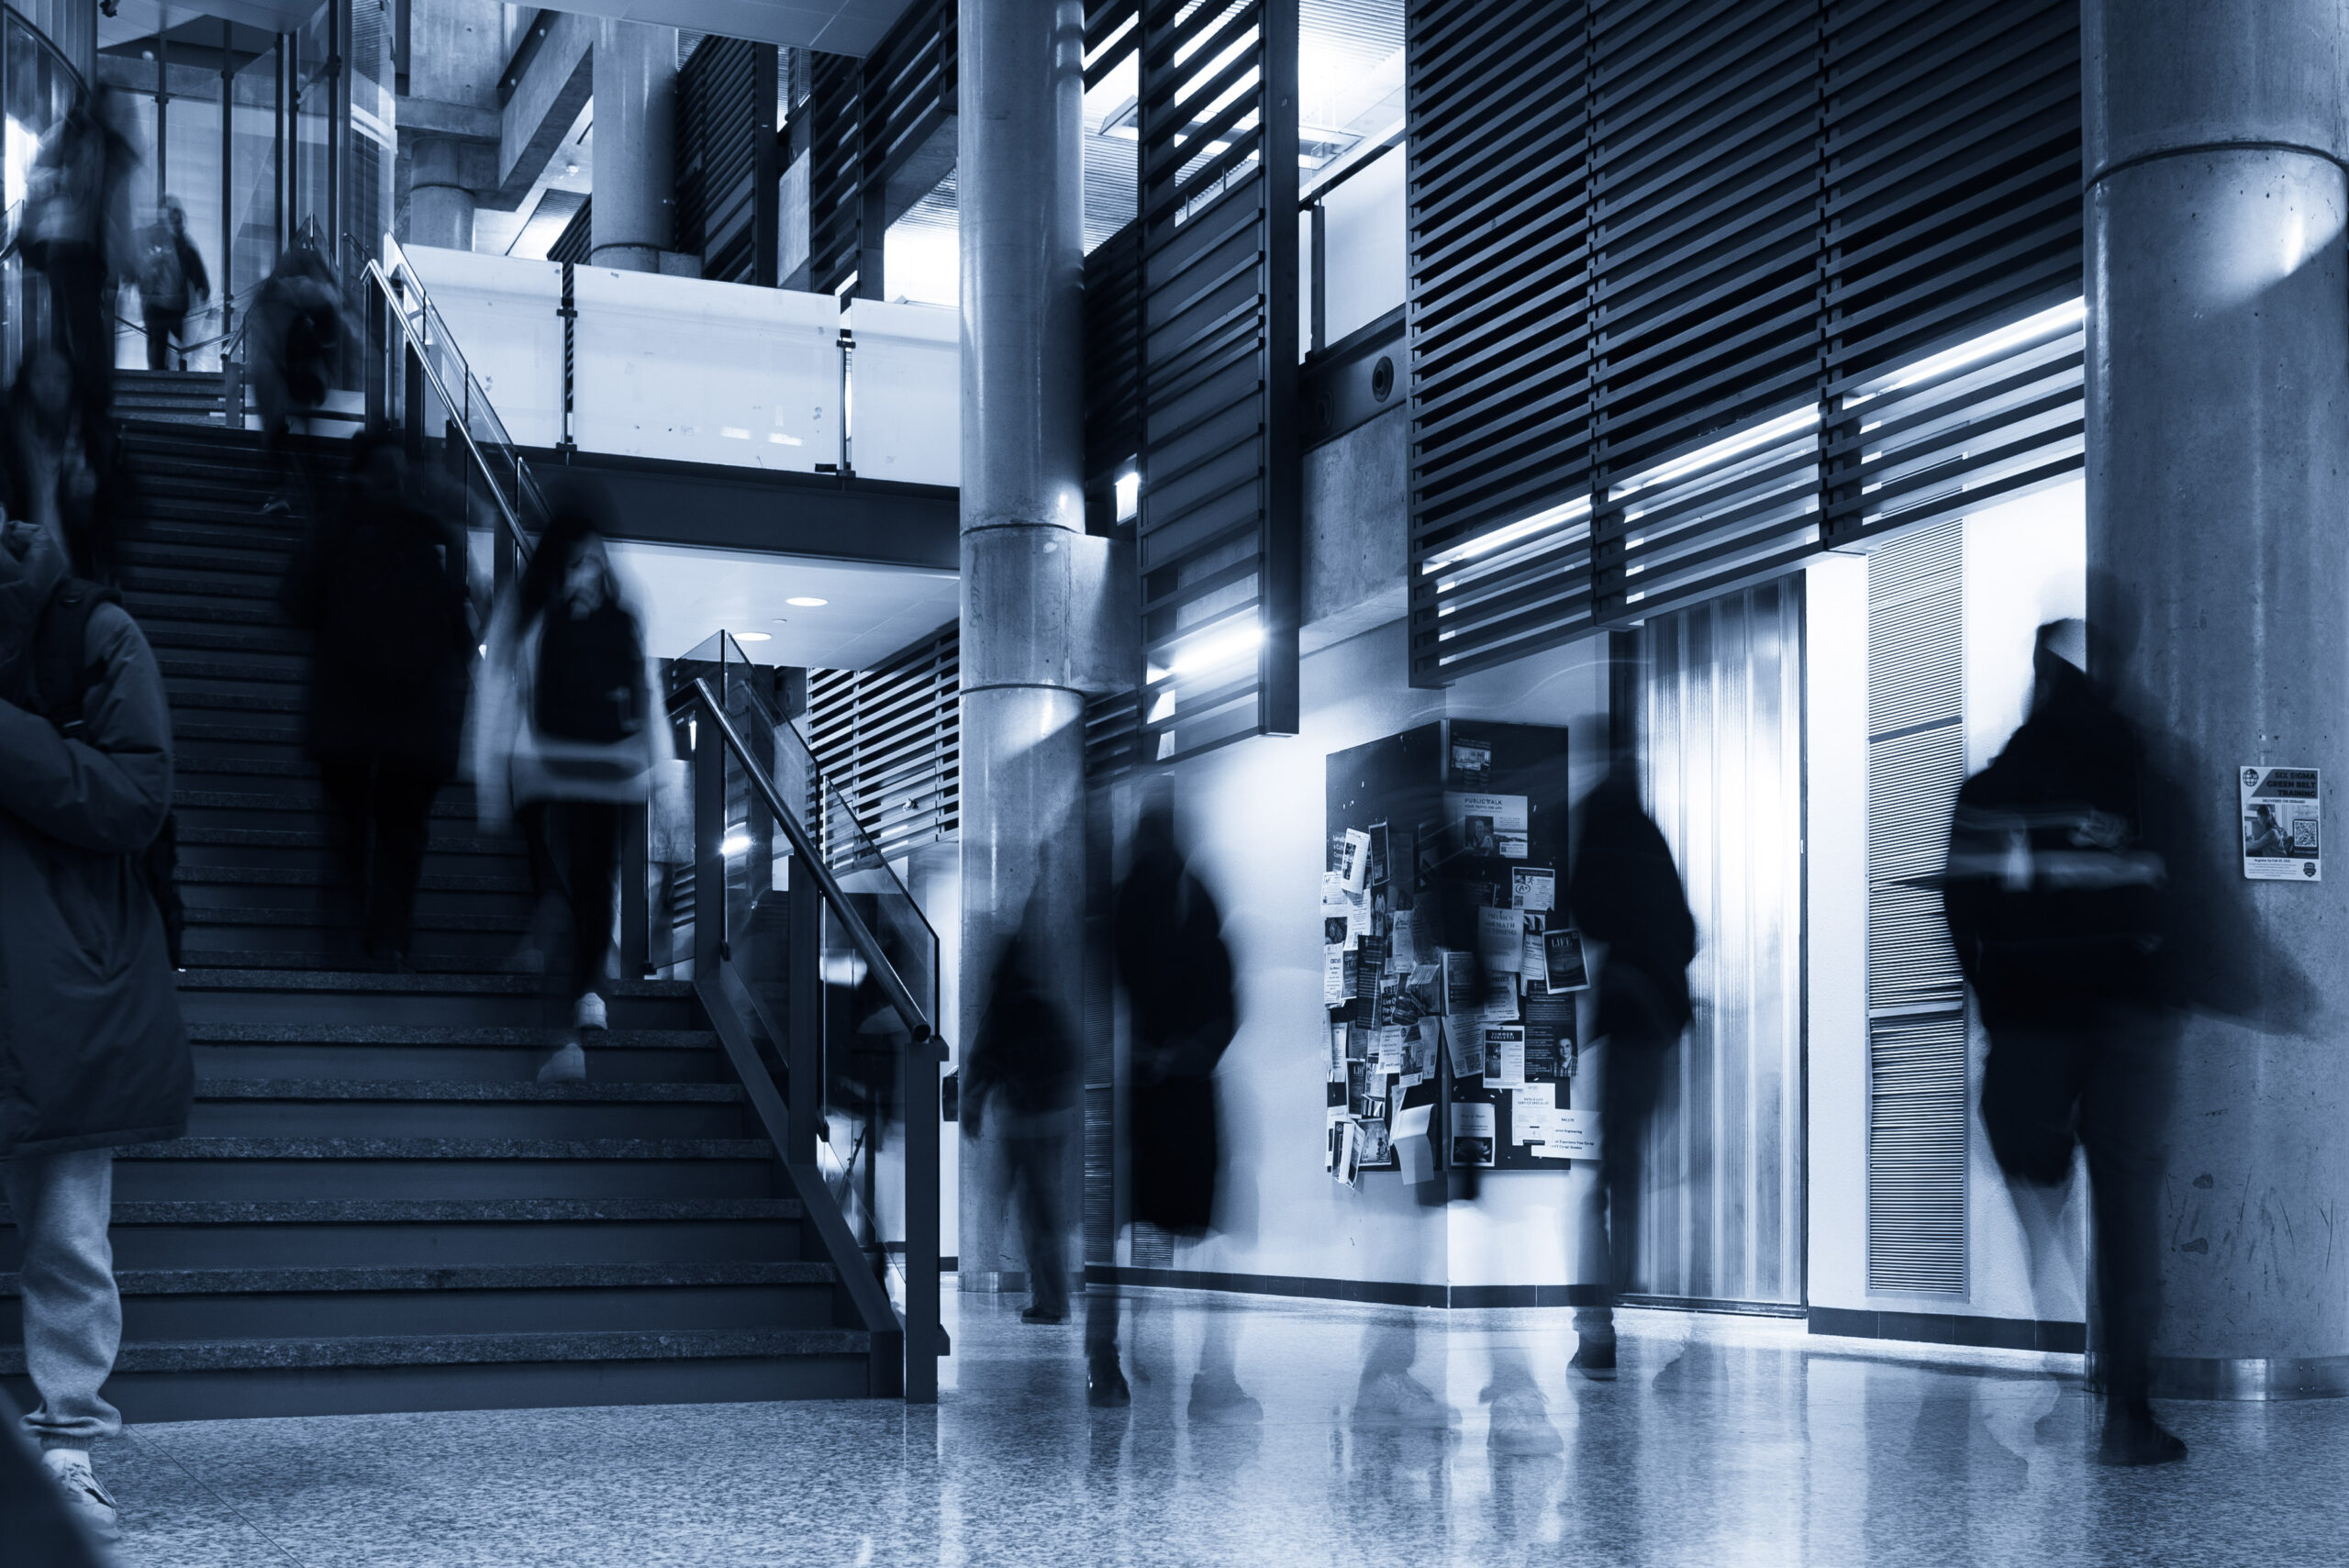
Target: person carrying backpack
[566,735]
[171,278]
[93,1051]
[382,588]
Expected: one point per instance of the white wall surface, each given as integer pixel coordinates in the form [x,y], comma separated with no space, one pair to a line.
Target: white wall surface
[699,371]
[906,393]
[502,311]
[1254,814]
[1362,245]
[2025,564]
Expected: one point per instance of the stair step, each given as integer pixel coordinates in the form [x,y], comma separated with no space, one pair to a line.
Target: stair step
[283,994]
[226,1168]
[320,840]
[268,917]
[381,1054]
[324,876]
[423,960]
[409,1109]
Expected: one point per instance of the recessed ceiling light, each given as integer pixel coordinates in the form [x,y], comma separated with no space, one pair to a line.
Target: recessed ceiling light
[807,604]
[754,637]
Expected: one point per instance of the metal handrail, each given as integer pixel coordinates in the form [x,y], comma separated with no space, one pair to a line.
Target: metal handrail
[859,936]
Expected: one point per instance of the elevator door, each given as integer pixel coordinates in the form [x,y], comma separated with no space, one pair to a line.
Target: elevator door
[1720,737]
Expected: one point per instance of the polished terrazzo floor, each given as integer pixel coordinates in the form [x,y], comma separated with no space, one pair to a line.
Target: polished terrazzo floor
[1726,1441]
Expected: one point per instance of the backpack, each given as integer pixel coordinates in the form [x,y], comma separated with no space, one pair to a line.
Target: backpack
[387,601]
[64,681]
[161,277]
[590,670]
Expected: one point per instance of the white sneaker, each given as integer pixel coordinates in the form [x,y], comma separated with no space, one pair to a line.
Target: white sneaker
[567,1065]
[590,1014]
[84,1498]
[1398,1402]
[1521,1424]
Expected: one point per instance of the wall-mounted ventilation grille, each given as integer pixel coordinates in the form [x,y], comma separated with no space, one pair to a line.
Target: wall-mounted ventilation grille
[1218,534]
[889,740]
[1917,1028]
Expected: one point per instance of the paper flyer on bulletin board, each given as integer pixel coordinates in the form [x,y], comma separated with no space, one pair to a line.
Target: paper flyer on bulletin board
[2282,809]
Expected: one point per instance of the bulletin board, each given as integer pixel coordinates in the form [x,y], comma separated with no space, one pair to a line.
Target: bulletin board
[1450,971]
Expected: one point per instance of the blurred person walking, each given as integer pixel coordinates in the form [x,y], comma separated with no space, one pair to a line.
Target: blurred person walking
[566,734]
[50,474]
[1172,961]
[1026,1058]
[297,320]
[76,233]
[2056,903]
[381,586]
[92,1047]
[170,279]
[1626,894]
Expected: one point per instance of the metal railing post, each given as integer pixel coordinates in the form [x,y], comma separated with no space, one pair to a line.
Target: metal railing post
[803,1052]
[918,1061]
[709,853]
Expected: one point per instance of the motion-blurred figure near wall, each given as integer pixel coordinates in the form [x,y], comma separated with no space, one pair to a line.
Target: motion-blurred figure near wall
[1025,1059]
[380,585]
[566,735]
[171,279]
[49,473]
[296,322]
[76,233]
[2056,904]
[1172,961]
[1625,892]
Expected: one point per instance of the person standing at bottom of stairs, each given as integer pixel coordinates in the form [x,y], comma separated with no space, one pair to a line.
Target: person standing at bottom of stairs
[92,1045]
[566,735]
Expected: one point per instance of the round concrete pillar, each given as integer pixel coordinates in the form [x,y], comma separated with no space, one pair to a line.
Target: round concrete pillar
[1020,198]
[634,194]
[2217,428]
[440,205]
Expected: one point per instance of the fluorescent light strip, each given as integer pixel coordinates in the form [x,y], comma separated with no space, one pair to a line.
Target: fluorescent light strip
[2060,319]
[1800,422]
[1578,508]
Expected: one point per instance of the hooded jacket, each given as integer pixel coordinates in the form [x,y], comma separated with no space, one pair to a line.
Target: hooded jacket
[93,1052]
[1626,892]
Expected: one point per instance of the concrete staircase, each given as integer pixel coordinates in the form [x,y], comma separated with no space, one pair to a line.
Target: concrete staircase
[377,1208]
[189,397]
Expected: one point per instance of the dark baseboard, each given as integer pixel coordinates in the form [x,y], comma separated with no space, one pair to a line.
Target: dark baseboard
[1951,1328]
[1376,1293]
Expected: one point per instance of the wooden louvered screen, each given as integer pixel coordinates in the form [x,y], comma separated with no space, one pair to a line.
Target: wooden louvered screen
[1699,288]
[1112,371]
[1498,325]
[889,740]
[870,116]
[1916,1022]
[1221,487]
[726,160]
[1953,336]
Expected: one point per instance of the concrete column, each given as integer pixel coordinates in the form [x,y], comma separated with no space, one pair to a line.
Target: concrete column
[635,162]
[2217,428]
[1021,202]
[440,205]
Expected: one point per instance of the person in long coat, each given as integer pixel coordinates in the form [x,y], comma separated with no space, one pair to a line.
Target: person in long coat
[93,1052]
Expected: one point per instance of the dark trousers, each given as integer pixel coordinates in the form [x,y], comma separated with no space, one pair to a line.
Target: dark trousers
[1034,1151]
[78,325]
[382,806]
[574,851]
[165,326]
[1630,1085]
[2108,1077]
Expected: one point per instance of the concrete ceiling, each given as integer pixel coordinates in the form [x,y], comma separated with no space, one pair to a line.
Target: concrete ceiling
[874,611]
[836,26]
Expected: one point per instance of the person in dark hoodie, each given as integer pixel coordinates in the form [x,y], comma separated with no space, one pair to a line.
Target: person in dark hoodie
[92,1051]
[1025,1057]
[381,585]
[2056,893]
[1172,961]
[1625,892]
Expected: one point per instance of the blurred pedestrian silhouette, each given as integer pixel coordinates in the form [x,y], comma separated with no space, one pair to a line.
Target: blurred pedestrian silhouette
[171,279]
[76,233]
[380,585]
[2055,894]
[52,472]
[1025,1059]
[566,735]
[1176,970]
[295,323]
[1625,892]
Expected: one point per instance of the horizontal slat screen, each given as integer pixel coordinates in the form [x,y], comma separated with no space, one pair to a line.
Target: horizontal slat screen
[1499,324]
[1112,371]
[1698,287]
[889,740]
[869,116]
[1218,537]
[1917,1028]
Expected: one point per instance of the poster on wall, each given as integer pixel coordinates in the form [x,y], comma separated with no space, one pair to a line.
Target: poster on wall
[1493,825]
[1473,1131]
[2281,808]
